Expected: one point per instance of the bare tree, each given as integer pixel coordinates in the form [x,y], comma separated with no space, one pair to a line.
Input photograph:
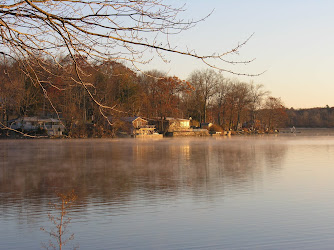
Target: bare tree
[205,83]
[223,90]
[273,113]
[148,82]
[242,95]
[256,94]
[35,32]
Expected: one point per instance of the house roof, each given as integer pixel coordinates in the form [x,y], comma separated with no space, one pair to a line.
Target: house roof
[131,119]
[208,124]
[176,119]
[34,119]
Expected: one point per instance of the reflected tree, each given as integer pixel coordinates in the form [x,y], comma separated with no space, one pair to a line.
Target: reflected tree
[59,232]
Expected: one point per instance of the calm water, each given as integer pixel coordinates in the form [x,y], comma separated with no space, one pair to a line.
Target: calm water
[270,192]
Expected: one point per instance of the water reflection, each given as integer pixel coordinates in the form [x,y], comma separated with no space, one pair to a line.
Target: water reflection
[32,170]
[238,193]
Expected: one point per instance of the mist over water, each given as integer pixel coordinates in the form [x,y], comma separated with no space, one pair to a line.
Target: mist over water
[268,192]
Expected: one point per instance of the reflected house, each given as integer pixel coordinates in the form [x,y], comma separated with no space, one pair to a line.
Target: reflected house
[138,127]
[53,127]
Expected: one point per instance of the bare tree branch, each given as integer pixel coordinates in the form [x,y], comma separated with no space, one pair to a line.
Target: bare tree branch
[34,32]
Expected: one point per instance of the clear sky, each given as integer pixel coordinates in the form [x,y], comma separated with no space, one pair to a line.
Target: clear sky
[293,42]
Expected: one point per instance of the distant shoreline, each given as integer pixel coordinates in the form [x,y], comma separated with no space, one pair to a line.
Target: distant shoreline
[298,130]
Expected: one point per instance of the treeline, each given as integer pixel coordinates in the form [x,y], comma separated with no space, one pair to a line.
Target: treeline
[311,118]
[85,99]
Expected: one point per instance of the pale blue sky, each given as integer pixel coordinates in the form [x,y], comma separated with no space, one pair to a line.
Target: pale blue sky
[293,41]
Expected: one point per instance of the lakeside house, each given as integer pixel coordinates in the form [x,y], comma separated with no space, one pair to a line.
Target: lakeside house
[138,127]
[206,125]
[53,127]
[179,127]
[177,124]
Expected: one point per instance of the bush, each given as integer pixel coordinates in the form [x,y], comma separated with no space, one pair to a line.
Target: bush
[216,128]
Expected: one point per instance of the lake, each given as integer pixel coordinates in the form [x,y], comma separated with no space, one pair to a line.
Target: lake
[255,192]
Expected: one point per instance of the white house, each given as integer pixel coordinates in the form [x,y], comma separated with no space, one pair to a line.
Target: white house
[52,126]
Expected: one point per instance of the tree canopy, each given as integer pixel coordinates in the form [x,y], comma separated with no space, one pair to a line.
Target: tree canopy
[65,52]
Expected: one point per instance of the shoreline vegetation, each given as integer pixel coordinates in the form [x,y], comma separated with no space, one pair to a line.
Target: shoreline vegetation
[206,98]
[150,104]
[5,134]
